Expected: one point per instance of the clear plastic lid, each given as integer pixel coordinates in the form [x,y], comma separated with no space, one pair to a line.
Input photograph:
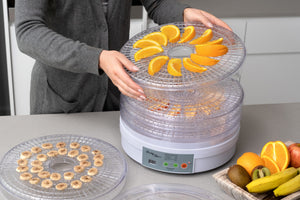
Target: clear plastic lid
[167,192]
[106,184]
[227,66]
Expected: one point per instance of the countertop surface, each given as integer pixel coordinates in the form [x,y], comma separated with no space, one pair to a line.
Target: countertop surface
[259,124]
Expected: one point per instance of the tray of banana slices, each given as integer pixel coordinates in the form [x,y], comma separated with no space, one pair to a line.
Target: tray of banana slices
[63,167]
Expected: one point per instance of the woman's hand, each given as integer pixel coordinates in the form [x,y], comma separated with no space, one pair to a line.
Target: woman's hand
[196,15]
[113,63]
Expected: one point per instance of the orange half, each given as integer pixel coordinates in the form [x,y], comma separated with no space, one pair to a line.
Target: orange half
[278,152]
[147,52]
[205,37]
[203,60]
[189,34]
[159,37]
[174,67]
[156,64]
[190,66]
[172,32]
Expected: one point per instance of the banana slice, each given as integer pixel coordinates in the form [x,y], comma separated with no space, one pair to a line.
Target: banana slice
[62,151]
[25,176]
[34,180]
[55,176]
[68,175]
[85,148]
[42,157]
[25,155]
[47,146]
[61,186]
[36,150]
[36,169]
[93,171]
[22,169]
[82,157]
[60,145]
[44,174]
[76,184]
[74,145]
[86,179]
[47,183]
[73,153]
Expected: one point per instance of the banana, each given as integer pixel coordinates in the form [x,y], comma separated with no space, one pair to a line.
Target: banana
[271,182]
[288,187]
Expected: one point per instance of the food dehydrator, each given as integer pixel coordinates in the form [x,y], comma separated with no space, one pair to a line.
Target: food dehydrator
[188,123]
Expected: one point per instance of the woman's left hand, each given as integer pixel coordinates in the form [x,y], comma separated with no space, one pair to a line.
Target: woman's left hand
[197,15]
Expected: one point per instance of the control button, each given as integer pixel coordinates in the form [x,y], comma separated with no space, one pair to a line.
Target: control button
[166,164]
[183,165]
[175,165]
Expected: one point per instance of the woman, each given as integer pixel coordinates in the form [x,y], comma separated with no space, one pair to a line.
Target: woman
[75,44]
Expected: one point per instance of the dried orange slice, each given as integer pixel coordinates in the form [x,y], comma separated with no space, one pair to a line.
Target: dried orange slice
[189,65]
[270,164]
[217,41]
[156,64]
[249,161]
[147,52]
[174,67]
[172,32]
[211,50]
[159,37]
[278,152]
[205,37]
[189,34]
[203,60]
[145,43]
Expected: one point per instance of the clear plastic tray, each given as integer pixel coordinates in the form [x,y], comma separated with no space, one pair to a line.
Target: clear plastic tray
[226,67]
[207,114]
[105,185]
[167,192]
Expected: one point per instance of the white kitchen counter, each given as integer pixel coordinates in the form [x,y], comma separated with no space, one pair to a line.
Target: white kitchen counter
[260,124]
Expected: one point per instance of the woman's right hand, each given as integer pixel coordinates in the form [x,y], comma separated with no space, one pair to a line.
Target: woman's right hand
[113,63]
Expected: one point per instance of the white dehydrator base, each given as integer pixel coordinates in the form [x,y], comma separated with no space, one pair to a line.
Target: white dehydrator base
[179,158]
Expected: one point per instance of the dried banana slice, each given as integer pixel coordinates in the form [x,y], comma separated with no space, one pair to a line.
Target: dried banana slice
[86,179]
[42,157]
[55,176]
[34,180]
[85,148]
[61,186]
[68,175]
[47,183]
[92,171]
[76,184]
[25,176]
[73,153]
[60,145]
[36,150]
[74,145]
[25,155]
[47,146]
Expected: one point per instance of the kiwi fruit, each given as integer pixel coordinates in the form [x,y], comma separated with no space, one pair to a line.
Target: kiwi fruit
[239,176]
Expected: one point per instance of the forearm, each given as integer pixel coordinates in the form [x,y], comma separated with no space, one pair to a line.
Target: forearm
[164,11]
[37,40]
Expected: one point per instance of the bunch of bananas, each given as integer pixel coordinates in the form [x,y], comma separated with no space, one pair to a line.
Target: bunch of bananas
[282,183]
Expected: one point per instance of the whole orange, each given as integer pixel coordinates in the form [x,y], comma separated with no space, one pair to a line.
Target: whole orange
[249,161]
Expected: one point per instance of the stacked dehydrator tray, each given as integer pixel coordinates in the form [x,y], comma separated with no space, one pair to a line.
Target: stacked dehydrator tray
[189,123]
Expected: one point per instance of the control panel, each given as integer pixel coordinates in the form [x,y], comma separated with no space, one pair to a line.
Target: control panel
[168,162]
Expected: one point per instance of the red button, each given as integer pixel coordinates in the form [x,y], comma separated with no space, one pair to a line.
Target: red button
[183,165]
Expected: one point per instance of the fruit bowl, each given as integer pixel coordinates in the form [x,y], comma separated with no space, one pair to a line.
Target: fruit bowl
[240,194]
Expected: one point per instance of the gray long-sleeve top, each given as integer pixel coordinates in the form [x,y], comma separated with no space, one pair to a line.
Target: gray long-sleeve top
[66,37]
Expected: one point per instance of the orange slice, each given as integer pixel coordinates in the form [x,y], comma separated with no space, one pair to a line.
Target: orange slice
[174,67]
[147,52]
[278,152]
[145,43]
[205,37]
[175,110]
[172,32]
[203,60]
[217,41]
[156,64]
[189,34]
[249,161]
[211,50]
[270,164]
[159,37]
[189,65]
